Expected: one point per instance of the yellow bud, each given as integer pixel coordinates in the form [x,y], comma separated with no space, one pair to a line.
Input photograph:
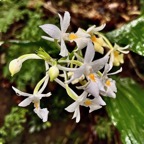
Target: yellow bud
[15,66]
[53,72]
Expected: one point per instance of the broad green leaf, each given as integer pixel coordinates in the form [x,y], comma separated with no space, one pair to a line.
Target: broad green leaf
[131,34]
[127,111]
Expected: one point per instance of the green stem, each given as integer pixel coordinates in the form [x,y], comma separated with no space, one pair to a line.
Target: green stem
[106,40]
[39,84]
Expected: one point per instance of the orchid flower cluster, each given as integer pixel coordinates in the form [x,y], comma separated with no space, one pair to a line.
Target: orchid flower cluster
[80,68]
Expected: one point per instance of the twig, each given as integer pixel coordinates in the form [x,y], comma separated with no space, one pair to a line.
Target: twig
[135,67]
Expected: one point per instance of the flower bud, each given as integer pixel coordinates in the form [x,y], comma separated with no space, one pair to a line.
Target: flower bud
[118,58]
[15,66]
[53,72]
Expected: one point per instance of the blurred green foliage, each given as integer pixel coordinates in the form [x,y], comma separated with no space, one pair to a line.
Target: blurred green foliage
[19,24]
[10,13]
[35,124]
[13,124]
[103,129]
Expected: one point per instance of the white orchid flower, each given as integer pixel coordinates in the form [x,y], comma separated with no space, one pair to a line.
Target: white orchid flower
[88,66]
[117,56]
[110,88]
[94,104]
[93,86]
[99,43]
[82,100]
[81,38]
[58,34]
[35,98]
[109,84]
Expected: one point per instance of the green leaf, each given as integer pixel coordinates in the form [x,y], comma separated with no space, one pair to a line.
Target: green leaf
[126,111]
[131,34]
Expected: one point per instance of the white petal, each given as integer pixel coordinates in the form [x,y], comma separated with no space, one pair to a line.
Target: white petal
[100,63]
[51,30]
[64,51]
[118,71]
[77,115]
[72,107]
[100,84]
[110,93]
[93,89]
[77,73]
[61,20]
[123,51]
[47,38]
[66,22]
[81,42]
[99,28]
[45,95]
[20,93]
[106,69]
[91,29]
[99,101]
[111,61]
[90,52]
[25,102]
[42,113]
[113,86]
[82,33]
[94,107]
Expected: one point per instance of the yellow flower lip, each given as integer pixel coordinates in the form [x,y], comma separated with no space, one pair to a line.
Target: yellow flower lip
[92,77]
[108,83]
[93,38]
[36,105]
[118,58]
[116,53]
[87,102]
[72,36]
